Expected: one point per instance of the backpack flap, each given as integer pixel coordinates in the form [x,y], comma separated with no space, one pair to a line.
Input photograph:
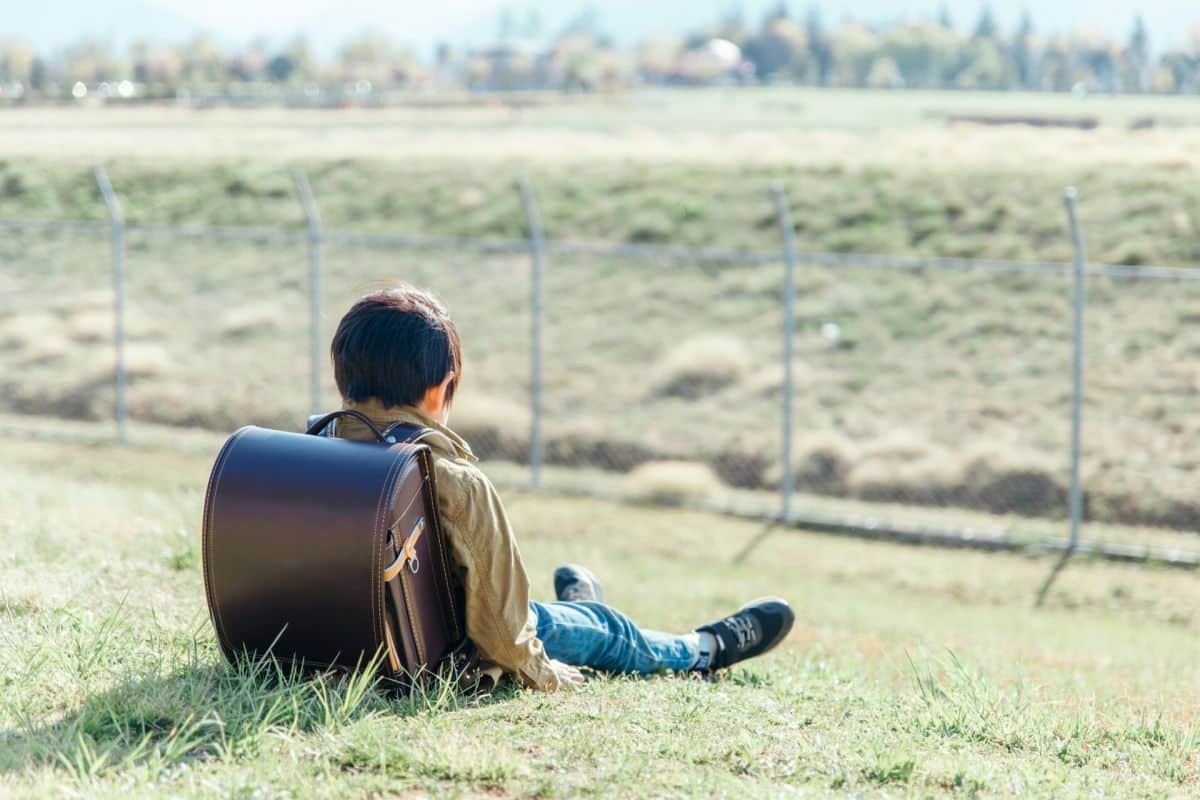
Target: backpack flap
[295,545]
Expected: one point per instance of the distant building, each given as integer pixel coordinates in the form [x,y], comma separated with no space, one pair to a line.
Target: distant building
[717,62]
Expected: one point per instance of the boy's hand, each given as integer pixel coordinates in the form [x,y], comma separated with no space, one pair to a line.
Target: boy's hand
[568,676]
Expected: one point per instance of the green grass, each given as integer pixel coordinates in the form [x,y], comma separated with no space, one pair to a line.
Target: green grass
[1134,214]
[910,672]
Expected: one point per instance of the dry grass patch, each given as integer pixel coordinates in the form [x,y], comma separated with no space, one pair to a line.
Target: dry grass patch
[477,410]
[90,324]
[701,366]
[1002,479]
[824,459]
[94,298]
[902,466]
[588,443]
[932,480]
[992,477]
[899,445]
[142,360]
[495,427]
[672,483]
[35,338]
[20,331]
[47,348]
[251,320]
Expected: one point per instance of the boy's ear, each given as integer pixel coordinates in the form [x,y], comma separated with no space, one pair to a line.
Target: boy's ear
[445,385]
[434,401]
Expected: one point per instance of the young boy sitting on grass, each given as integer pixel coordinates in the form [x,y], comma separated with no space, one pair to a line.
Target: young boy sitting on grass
[397,358]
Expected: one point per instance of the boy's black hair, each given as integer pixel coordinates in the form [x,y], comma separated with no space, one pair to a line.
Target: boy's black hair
[394,345]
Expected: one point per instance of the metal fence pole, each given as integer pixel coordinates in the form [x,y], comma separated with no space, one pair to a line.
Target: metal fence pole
[313,216]
[537,247]
[787,483]
[787,480]
[116,220]
[1075,498]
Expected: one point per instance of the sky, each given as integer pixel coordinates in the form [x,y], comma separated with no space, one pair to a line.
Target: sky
[53,24]
[1112,16]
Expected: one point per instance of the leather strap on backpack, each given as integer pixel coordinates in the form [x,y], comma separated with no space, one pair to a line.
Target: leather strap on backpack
[396,433]
[403,433]
[320,424]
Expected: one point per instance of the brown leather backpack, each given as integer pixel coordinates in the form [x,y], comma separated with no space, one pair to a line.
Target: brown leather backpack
[324,552]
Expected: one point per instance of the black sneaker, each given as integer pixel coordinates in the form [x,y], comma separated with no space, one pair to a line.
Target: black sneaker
[574,584]
[754,629]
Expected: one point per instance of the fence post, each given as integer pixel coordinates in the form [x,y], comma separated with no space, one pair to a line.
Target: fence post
[787,480]
[313,217]
[116,221]
[537,246]
[1075,498]
[787,483]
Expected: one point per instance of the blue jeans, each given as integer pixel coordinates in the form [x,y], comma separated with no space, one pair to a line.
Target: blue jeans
[598,636]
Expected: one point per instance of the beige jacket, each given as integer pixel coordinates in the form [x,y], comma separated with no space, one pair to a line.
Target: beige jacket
[481,539]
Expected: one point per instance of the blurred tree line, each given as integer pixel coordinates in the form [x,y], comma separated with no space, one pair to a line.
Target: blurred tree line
[935,54]
[783,47]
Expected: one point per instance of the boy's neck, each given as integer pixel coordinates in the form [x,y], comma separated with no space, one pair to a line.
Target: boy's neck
[378,412]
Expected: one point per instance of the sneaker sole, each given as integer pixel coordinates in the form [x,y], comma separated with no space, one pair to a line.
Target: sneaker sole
[563,575]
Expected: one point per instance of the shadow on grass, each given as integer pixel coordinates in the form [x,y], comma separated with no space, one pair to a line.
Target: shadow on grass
[218,711]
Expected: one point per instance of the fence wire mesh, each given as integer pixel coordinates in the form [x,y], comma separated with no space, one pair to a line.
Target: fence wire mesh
[56,323]
[933,397]
[1143,384]
[214,329]
[928,394]
[662,377]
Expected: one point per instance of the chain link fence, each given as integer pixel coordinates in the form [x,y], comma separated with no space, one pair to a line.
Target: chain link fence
[664,374]
[1142,355]
[212,326]
[57,321]
[913,399]
[933,397]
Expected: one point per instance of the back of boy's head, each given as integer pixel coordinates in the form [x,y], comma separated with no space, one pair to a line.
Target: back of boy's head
[394,345]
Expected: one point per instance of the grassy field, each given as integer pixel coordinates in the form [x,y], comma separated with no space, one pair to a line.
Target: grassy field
[932,205]
[910,672]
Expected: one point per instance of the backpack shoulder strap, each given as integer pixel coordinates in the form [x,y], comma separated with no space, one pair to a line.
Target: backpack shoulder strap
[405,433]
[324,425]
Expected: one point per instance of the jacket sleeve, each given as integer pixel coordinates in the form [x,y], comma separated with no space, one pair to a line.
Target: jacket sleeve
[494,578]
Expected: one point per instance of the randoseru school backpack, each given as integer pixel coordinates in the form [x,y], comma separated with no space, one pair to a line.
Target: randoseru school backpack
[329,553]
